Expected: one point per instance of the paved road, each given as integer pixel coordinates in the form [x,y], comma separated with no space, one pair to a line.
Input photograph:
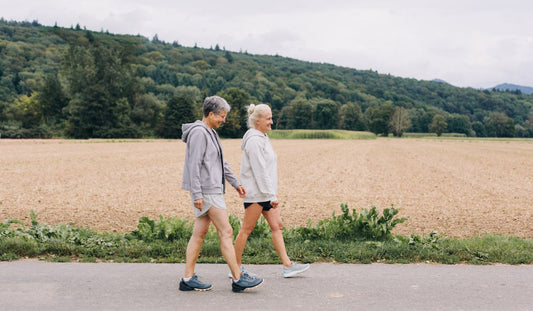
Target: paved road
[34,285]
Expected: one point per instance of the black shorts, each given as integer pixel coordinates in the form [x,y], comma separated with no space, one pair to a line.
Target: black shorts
[266,205]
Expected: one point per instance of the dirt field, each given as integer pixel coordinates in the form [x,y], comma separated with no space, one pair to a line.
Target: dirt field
[458,188]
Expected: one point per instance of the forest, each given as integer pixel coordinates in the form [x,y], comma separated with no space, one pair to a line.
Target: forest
[78,83]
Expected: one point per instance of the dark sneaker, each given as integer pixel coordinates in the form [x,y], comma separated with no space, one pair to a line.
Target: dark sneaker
[194,284]
[246,282]
[294,269]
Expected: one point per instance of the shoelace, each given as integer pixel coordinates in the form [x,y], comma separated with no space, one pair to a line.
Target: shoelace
[248,273]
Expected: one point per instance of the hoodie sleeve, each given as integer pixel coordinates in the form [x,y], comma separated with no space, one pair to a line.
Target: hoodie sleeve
[255,150]
[230,177]
[196,149]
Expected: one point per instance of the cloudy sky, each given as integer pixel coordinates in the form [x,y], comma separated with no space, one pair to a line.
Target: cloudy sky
[468,43]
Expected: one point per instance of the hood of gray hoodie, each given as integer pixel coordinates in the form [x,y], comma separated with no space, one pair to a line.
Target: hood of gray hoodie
[187,127]
[249,134]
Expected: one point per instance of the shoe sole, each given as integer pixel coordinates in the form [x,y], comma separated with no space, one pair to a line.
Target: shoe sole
[186,288]
[293,273]
[236,288]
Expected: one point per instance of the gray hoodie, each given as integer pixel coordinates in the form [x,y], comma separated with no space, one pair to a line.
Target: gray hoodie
[205,169]
[258,173]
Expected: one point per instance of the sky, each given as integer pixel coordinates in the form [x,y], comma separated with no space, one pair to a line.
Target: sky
[467,43]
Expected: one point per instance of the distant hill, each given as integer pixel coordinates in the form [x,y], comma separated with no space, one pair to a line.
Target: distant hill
[60,82]
[513,87]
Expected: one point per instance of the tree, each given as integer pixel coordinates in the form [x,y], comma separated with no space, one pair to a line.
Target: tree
[52,99]
[420,119]
[300,114]
[520,131]
[479,129]
[438,125]
[400,121]
[146,112]
[229,57]
[179,110]
[236,121]
[459,124]
[379,118]
[326,114]
[499,125]
[529,124]
[27,110]
[351,117]
[100,84]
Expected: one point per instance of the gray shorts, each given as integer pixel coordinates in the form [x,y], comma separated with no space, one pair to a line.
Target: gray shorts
[216,200]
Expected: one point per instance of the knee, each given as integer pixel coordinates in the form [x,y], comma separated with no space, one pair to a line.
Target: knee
[200,234]
[278,226]
[226,233]
[247,230]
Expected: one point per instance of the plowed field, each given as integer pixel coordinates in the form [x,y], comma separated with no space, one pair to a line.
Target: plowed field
[455,187]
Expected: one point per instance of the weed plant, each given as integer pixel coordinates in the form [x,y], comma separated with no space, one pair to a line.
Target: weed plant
[351,237]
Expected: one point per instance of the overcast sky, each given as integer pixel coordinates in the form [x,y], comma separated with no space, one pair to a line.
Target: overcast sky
[468,43]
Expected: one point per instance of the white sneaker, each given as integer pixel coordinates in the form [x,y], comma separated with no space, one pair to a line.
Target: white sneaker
[243,271]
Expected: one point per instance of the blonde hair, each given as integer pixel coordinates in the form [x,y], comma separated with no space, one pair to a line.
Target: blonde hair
[255,112]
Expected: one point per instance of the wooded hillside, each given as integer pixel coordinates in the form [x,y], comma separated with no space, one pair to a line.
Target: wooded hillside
[59,82]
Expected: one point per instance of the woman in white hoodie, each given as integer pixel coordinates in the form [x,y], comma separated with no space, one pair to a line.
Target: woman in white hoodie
[259,177]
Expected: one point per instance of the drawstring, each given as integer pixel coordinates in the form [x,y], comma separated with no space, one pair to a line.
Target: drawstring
[221,162]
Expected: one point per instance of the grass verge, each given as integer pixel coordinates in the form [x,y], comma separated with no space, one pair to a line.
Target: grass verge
[320,134]
[352,237]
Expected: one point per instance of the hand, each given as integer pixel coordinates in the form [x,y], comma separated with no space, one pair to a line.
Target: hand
[241,191]
[199,204]
[274,204]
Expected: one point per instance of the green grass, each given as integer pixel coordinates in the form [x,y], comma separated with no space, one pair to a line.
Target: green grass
[363,236]
[320,134]
[433,135]
[463,137]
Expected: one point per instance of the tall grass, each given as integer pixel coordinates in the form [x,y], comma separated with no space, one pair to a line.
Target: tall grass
[320,134]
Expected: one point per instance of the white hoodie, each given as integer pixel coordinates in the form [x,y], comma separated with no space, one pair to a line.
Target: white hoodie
[258,173]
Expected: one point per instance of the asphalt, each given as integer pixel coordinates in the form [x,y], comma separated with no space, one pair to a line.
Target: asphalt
[35,285]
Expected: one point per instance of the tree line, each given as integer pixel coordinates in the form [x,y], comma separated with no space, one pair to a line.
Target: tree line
[60,82]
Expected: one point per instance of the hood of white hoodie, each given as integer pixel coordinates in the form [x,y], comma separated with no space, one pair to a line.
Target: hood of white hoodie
[250,133]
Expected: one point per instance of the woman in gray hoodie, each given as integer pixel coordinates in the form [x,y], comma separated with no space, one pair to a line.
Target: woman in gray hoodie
[260,178]
[204,174]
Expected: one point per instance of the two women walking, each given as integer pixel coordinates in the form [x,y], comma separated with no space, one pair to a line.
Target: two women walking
[204,175]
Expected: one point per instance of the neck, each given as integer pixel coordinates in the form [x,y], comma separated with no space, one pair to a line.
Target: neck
[206,122]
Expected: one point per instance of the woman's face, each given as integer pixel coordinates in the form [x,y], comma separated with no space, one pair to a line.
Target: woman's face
[264,122]
[215,120]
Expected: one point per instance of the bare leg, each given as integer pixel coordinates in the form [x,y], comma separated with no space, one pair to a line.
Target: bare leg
[219,217]
[201,225]
[273,218]
[251,215]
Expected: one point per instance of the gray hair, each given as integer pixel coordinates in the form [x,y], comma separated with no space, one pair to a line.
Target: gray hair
[255,112]
[215,104]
